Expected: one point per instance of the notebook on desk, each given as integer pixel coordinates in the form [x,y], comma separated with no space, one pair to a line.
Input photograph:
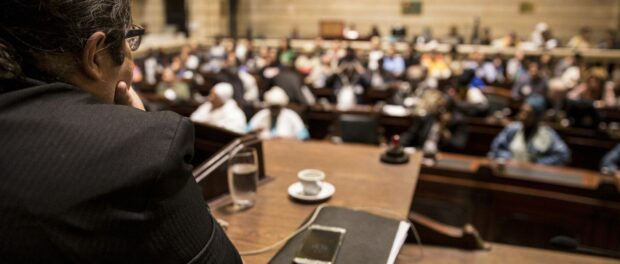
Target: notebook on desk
[369,238]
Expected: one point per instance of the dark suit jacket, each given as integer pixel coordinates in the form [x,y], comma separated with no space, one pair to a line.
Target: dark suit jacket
[291,82]
[86,182]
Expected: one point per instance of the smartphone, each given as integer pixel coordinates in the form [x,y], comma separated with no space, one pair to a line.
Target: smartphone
[320,245]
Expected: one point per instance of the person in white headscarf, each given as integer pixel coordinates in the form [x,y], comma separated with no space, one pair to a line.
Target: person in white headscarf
[537,35]
[221,110]
[277,121]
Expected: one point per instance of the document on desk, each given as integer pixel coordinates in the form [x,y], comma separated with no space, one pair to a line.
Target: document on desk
[369,238]
[401,236]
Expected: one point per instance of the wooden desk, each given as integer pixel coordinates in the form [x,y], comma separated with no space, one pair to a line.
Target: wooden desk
[499,253]
[361,180]
[527,204]
[515,173]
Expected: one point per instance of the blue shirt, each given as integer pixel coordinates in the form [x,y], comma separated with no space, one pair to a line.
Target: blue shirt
[394,64]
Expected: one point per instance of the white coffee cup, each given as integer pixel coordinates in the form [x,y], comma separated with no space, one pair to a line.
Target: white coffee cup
[311,181]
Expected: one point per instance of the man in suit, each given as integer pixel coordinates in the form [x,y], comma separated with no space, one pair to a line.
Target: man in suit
[87,176]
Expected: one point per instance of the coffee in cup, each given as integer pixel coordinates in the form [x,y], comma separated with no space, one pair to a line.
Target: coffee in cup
[311,181]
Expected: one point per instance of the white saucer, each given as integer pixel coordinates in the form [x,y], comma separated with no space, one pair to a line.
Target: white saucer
[296,191]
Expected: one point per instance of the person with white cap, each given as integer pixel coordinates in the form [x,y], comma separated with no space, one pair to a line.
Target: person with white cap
[537,35]
[221,110]
[277,121]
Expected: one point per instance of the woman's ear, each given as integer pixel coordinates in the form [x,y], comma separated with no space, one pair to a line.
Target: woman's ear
[92,57]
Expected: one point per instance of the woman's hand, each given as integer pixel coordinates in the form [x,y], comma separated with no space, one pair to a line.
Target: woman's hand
[125,95]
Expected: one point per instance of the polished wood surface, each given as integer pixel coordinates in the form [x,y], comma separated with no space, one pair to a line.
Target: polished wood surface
[361,181]
[499,253]
[523,204]
[543,177]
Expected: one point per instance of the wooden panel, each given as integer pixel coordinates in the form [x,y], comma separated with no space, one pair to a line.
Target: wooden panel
[331,29]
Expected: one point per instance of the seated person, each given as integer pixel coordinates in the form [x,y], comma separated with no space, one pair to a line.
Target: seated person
[436,64]
[292,83]
[556,97]
[611,161]
[583,100]
[526,140]
[515,66]
[319,74]
[508,40]
[595,89]
[392,63]
[375,54]
[532,82]
[349,83]
[582,40]
[172,88]
[221,110]
[88,176]
[277,121]
[467,96]
[286,53]
[454,38]
[231,73]
[441,128]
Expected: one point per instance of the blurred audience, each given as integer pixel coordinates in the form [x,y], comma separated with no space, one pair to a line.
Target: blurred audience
[442,88]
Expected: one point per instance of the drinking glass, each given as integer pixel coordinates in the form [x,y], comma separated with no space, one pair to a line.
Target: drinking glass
[243,178]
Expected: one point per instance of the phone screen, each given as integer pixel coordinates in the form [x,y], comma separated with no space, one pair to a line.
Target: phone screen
[320,245]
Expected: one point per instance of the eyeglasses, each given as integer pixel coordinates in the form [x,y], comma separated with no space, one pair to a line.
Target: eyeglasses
[134,37]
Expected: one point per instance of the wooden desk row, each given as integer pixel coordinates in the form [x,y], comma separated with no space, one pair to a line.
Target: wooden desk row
[522,204]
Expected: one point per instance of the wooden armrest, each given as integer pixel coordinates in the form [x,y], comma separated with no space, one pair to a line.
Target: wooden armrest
[436,233]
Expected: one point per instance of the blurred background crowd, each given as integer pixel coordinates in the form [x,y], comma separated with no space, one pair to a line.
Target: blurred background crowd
[245,83]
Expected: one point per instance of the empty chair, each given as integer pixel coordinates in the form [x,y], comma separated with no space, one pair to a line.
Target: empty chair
[359,128]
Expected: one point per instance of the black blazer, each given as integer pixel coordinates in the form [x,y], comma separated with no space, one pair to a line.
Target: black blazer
[82,181]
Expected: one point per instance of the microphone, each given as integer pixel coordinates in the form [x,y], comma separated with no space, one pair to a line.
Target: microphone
[223,155]
[572,245]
